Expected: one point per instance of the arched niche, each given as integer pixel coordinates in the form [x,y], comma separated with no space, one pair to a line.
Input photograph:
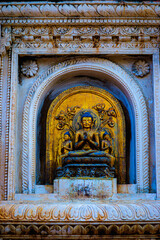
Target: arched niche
[101,68]
[64,116]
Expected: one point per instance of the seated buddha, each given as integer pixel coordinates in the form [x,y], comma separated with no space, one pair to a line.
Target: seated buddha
[87,141]
[87,155]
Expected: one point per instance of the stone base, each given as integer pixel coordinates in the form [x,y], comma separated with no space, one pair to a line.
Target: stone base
[85,187]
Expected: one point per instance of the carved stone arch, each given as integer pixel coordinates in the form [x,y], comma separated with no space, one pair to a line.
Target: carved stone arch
[97,65]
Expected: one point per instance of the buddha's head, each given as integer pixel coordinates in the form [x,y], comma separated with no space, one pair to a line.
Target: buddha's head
[87,120]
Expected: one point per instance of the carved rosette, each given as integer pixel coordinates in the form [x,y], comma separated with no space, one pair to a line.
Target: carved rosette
[29,68]
[140,68]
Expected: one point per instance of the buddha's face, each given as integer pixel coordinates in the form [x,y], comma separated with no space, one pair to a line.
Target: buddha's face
[87,122]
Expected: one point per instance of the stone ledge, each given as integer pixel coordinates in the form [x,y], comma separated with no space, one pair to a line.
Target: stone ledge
[49,197]
[80,212]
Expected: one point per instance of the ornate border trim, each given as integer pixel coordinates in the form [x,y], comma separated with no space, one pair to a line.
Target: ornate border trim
[80,230]
[85,38]
[78,212]
[80,9]
[156,86]
[41,85]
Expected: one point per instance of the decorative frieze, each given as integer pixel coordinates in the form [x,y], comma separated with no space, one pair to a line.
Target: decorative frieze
[78,9]
[82,230]
[80,38]
[80,212]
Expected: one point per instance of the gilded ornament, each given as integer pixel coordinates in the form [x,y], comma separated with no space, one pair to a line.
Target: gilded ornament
[88,136]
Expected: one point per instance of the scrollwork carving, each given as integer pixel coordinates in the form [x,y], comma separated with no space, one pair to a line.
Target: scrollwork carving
[106,116]
[65,118]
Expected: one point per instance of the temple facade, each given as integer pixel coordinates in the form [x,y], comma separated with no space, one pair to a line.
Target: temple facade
[79,120]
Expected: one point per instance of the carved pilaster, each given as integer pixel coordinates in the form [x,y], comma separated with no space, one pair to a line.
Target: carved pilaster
[1,158]
[156,77]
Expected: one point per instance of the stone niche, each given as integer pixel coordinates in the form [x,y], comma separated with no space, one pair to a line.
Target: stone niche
[79,106]
[39,119]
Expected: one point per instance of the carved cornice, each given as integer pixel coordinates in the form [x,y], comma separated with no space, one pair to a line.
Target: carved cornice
[78,230]
[80,9]
[78,212]
[85,37]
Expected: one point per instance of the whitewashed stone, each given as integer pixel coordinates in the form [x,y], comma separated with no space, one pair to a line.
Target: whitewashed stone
[83,187]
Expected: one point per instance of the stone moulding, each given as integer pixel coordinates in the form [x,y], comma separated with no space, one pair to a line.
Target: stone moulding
[78,212]
[79,231]
[37,93]
[80,9]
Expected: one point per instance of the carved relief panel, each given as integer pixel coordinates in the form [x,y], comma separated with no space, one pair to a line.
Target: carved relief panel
[66,132]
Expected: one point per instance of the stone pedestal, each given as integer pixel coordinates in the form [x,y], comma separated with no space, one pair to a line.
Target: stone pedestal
[85,187]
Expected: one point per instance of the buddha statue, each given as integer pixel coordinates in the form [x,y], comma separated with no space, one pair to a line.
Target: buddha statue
[87,154]
[86,138]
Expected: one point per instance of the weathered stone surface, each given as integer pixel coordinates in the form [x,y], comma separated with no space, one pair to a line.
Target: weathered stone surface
[85,188]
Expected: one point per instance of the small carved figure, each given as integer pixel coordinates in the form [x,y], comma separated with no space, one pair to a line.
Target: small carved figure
[67,144]
[106,143]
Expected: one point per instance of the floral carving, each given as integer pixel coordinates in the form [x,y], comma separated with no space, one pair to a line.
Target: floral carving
[140,68]
[65,118]
[29,68]
[106,116]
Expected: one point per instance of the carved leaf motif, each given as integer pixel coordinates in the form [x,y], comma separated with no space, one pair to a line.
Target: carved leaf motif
[65,118]
[68,10]
[126,10]
[11,11]
[87,10]
[30,10]
[106,116]
[61,30]
[151,31]
[106,10]
[145,11]
[157,9]
[109,30]
[39,30]
[50,10]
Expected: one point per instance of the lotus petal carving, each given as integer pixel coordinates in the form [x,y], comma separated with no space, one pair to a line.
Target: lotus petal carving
[29,68]
[140,68]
